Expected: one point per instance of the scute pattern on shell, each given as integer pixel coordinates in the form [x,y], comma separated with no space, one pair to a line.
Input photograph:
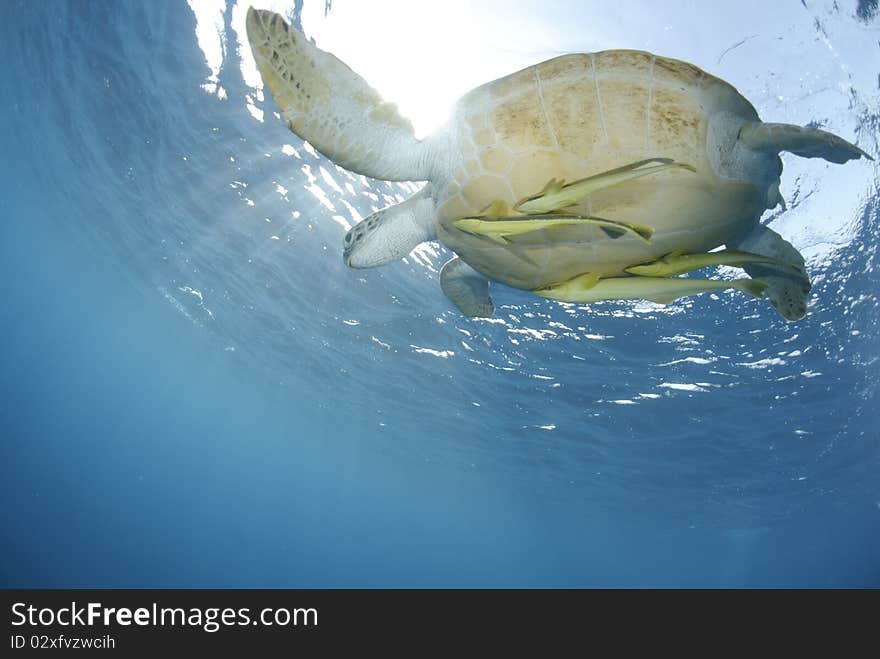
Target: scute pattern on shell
[579,115]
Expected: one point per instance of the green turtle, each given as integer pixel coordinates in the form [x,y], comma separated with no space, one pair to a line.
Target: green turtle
[601,164]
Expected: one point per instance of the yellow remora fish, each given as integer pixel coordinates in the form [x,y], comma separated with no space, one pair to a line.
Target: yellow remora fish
[499,228]
[556,195]
[585,288]
[677,263]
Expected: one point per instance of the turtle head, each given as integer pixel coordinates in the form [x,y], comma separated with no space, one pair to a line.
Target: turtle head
[364,246]
[391,233]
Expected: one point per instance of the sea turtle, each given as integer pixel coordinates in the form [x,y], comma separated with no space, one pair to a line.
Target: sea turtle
[582,178]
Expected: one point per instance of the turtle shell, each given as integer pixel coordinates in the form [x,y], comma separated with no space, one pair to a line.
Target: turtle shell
[579,115]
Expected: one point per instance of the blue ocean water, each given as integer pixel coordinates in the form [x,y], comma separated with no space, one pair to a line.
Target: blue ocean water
[197,392]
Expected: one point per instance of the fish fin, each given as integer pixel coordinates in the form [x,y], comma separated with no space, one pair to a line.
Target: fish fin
[642,231]
[753,287]
[612,231]
[586,280]
[478,226]
[669,298]
[613,228]
[648,269]
[638,165]
[735,258]
[497,208]
[553,185]
[663,299]
[589,280]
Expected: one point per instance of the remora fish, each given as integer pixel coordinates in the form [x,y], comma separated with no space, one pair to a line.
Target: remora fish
[677,263]
[586,288]
[556,195]
[500,228]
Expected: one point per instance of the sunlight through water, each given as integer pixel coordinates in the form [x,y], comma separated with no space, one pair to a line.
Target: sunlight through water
[574,362]
[149,143]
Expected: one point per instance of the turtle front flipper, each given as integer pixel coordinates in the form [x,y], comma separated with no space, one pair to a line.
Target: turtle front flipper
[788,283]
[556,196]
[500,229]
[802,141]
[323,101]
[466,288]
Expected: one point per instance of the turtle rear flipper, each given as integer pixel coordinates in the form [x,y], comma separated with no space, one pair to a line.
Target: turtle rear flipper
[802,141]
[788,284]
[466,288]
